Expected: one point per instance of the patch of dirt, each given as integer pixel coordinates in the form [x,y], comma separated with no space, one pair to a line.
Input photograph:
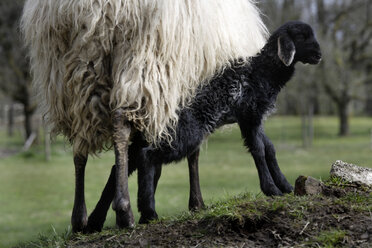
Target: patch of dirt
[341,218]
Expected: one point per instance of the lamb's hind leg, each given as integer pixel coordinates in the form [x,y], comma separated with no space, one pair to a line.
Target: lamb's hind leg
[157,176]
[98,216]
[195,200]
[279,179]
[79,212]
[146,192]
[121,203]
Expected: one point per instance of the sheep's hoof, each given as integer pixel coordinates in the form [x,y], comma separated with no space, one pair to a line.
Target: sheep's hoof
[147,217]
[124,214]
[124,219]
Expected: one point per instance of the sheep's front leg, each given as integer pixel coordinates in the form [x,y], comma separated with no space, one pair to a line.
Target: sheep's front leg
[98,216]
[121,203]
[274,169]
[253,140]
[79,212]
[195,200]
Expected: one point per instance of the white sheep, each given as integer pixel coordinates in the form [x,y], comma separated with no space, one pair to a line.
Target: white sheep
[104,68]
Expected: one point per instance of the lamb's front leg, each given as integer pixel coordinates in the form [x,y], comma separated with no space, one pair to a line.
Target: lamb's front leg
[79,212]
[253,140]
[121,203]
[274,169]
[195,200]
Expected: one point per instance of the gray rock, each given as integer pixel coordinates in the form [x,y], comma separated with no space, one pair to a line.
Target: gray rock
[352,173]
[307,186]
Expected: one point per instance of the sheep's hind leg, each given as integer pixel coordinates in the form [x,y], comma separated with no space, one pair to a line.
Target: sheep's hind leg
[279,179]
[195,200]
[121,203]
[98,216]
[79,212]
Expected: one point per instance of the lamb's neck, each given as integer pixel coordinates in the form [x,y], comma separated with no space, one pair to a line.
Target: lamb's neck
[268,65]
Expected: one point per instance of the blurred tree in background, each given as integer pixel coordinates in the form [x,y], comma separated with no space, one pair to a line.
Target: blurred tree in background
[343,81]
[15,81]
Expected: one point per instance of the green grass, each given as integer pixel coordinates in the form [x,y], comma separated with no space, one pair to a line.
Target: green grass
[37,197]
[331,238]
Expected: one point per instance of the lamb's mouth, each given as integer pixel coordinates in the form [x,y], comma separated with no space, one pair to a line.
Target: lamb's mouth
[314,60]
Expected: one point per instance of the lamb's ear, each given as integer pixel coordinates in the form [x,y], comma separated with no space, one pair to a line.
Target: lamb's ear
[286,50]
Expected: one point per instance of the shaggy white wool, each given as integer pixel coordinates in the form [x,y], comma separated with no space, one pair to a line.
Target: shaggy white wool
[90,57]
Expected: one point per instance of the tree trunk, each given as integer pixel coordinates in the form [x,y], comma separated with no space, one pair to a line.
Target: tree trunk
[28,121]
[368,101]
[343,118]
[11,120]
[368,105]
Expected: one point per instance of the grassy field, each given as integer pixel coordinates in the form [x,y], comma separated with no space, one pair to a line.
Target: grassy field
[37,197]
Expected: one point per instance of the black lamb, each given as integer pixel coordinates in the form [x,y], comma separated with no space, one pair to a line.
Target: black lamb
[242,94]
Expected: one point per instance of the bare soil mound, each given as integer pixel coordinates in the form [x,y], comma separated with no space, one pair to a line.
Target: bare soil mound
[340,217]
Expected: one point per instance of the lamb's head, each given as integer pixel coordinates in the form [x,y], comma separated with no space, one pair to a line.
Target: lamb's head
[296,42]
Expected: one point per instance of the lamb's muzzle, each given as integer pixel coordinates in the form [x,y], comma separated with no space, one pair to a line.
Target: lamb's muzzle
[297,42]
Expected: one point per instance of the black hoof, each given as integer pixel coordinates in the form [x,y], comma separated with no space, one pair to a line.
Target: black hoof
[94,225]
[271,190]
[79,223]
[196,205]
[124,219]
[78,228]
[286,188]
[146,218]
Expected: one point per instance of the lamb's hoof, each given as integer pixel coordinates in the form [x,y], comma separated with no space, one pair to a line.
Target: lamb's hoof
[124,219]
[286,188]
[94,225]
[147,217]
[271,190]
[196,205]
[78,228]
[92,229]
[78,222]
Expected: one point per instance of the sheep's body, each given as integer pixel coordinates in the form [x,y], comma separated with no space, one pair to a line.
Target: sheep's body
[90,57]
[104,68]
[242,94]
